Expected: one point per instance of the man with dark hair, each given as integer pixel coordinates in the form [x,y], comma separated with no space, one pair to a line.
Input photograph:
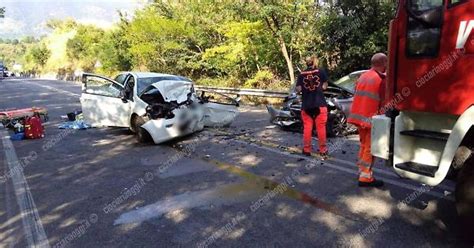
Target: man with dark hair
[311,83]
[368,99]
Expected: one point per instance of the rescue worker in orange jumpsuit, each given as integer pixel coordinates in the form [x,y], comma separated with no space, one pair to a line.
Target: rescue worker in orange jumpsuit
[311,83]
[368,99]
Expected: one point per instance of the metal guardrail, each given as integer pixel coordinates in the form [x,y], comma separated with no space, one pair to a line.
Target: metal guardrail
[243,92]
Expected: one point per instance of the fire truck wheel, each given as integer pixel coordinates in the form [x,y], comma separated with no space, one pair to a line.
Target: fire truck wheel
[465,199]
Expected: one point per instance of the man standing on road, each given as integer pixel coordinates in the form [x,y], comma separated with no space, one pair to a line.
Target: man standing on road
[368,99]
[311,83]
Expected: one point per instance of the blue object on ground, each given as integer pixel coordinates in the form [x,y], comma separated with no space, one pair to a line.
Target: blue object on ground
[74,125]
[18,136]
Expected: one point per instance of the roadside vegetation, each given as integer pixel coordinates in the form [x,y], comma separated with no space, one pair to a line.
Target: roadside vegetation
[252,44]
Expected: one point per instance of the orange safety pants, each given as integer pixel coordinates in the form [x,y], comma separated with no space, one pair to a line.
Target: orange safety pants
[308,123]
[366,159]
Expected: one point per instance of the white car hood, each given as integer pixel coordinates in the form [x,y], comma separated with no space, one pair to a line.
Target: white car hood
[174,90]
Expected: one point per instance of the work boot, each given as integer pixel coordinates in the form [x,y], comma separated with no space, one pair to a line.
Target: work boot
[375,183]
[324,155]
[306,153]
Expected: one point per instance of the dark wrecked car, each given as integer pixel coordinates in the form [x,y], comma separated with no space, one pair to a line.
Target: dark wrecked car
[155,106]
[339,96]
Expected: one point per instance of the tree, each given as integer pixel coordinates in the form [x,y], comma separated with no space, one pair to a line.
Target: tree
[28,39]
[350,38]
[66,24]
[40,55]
[252,43]
[288,23]
[114,49]
[245,50]
[84,47]
[158,43]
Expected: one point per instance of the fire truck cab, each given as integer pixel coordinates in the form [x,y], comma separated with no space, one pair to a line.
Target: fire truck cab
[428,130]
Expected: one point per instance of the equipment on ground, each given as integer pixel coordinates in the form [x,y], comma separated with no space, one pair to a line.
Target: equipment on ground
[33,127]
[10,117]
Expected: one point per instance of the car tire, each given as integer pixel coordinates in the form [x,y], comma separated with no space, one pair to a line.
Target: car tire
[465,199]
[336,125]
[135,123]
[143,136]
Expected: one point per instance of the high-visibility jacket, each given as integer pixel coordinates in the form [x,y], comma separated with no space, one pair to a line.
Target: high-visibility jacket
[367,99]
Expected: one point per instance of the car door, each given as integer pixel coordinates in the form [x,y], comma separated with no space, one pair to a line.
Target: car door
[102,103]
[220,110]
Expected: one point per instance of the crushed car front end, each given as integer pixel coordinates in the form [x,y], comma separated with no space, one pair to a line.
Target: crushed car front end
[174,110]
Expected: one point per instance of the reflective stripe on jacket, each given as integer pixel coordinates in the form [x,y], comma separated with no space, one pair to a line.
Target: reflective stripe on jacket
[367,99]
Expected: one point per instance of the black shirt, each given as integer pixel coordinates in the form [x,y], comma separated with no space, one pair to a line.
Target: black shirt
[311,81]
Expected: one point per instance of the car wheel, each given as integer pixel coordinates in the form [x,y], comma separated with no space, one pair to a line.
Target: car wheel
[336,125]
[136,122]
[143,136]
[465,199]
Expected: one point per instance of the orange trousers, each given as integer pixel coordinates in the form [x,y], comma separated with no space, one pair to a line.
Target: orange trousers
[308,123]
[366,159]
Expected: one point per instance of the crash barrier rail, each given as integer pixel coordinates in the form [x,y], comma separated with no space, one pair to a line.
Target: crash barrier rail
[243,92]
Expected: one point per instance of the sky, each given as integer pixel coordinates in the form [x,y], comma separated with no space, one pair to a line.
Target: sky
[28,17]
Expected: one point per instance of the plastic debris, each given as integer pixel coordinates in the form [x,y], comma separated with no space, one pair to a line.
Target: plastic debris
[78,124]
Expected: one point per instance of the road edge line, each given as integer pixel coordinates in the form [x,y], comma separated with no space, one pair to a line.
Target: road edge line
[34,231]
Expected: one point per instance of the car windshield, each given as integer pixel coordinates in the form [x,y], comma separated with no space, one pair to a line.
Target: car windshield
[348,82]
[144,82]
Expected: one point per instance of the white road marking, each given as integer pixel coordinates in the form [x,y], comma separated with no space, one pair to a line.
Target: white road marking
[9,211]
[34,231]
[349,171]
[54,89]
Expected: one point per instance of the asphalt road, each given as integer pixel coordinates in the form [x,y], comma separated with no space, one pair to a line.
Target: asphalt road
[241,186]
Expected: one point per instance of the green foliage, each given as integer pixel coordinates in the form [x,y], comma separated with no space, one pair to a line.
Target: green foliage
[244,50]
[40,54]
[114,52]
[61,25]
[28,40]
[258,43]
[158,43]
[56,42]
[265,79]
[11,54]
[350,39]
[84,47]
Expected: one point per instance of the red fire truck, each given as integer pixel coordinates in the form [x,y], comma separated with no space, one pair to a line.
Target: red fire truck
[428,132]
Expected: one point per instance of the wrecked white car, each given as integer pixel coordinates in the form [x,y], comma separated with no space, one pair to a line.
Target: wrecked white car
[154,106]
